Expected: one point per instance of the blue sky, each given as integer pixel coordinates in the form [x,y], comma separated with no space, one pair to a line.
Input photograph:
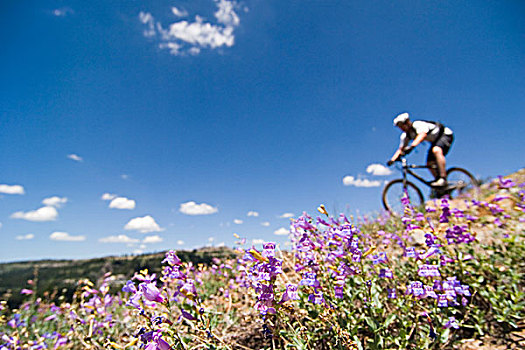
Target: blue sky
[139,126]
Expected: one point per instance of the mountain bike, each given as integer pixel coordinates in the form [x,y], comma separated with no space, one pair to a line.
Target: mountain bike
[460,183]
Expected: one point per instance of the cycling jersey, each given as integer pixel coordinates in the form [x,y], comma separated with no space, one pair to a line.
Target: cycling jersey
[419,126]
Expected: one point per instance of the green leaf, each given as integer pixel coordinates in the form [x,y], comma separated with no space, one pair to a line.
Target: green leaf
[371,323]
[478,328]
[389,320]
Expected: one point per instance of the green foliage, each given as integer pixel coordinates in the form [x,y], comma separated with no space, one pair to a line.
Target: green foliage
[428,280]
[58,278]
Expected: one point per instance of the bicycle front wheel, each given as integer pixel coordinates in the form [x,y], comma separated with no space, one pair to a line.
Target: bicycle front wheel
[395,190]
[462,183]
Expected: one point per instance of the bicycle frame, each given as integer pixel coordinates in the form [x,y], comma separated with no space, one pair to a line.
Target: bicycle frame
[406,169]
[436,192]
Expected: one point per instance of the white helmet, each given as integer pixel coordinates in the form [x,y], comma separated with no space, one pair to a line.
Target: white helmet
[400,119]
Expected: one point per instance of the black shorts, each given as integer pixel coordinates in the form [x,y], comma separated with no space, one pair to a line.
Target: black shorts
[444,142]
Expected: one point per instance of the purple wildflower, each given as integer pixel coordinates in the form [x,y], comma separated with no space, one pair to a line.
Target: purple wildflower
[155,342]
[415,288]
[505,183]
[442,300]
[187,315]
[392,293]
[385,273]
[290,293]
[430,292]
[431,251]
[151,292]
[405,200]
[268,250]
[356,255]
[451,323]
[129,287]
[354,243]
[339,292]
[410,252]
[379,258]
[316,298]
[310,279]
[445,260]
[16,321]
[471,217]
[172,258]
[426,270]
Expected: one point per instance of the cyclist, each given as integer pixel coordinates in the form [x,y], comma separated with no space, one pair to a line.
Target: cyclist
[417,131]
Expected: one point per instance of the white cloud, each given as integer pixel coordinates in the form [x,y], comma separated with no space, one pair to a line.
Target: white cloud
[143,225]
[226,14]
[352,181]
[287,215]
[180,242]
[258,241]
[11,189]
[145,17]
[281,232]
[118,239]
[124,176]
[252,213]
[108,196]
[62,12]
[64,236]
[41,214]
[0,225]
[201,35]
[138,251]
[25,237]
[211,239]
[192,208]
[152,239]
[185,37]
[75,157]
[173,47]
[378,169]
[54,201]
[179,13]
[194,51]
[237,221]
[122,203]
[149,21]
[265,223]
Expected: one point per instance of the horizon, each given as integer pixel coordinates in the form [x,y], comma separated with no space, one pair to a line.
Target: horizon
[131,127]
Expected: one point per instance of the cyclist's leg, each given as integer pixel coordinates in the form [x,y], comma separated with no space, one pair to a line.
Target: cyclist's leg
[431,163]
[440,160]
[440,149]
[437,152]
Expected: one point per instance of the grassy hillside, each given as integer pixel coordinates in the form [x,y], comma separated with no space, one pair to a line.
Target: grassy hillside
[447,276]
[59,278]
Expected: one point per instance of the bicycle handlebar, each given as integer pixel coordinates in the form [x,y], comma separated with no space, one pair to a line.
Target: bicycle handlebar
[404,162]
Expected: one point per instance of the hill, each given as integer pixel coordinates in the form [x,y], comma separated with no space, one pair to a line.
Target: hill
[59,278]
[450,275]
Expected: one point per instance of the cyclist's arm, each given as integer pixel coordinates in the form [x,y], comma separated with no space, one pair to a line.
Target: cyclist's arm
[403,142]
[419,138]
[397,154]
[401,150]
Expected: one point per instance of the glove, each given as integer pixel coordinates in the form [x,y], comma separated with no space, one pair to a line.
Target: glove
[408,149]
[390,162]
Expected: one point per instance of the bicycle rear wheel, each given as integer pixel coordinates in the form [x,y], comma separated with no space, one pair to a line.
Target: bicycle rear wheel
[462,184]
[394,191]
